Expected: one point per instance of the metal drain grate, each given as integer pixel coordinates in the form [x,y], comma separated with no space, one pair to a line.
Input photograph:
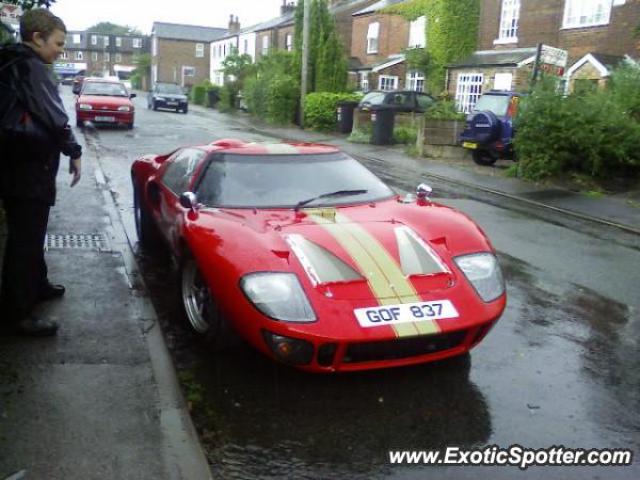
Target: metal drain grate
[79,241]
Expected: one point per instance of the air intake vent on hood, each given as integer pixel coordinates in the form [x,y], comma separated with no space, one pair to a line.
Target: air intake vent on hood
[416,257]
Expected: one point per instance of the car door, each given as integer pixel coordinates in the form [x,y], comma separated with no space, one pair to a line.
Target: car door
[176,179]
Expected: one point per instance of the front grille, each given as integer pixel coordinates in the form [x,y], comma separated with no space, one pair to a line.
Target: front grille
[402,347]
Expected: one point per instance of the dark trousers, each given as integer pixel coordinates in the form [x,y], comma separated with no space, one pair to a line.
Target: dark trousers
[24,270]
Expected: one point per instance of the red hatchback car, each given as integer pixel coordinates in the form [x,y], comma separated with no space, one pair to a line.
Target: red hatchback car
[313,260]
[104,102]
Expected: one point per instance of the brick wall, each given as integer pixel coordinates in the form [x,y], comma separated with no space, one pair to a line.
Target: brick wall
[271,34]
[174,54]
[393,37]
[541,21]
[281,35]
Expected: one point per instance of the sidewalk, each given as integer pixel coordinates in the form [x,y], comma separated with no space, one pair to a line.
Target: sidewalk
[100,400]
[621,212]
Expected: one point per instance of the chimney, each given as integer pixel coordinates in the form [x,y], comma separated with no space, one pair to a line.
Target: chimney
[287,7]
[234,24]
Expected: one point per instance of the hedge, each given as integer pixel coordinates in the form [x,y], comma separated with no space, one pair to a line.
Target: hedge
[320,109]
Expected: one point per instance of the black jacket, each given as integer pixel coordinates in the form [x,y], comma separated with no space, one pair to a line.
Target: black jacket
[28,169]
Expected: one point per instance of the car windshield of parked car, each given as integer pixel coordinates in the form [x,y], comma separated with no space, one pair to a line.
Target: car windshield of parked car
[373,98]
[109,89]
[281,181]
[498,104]
[169,88]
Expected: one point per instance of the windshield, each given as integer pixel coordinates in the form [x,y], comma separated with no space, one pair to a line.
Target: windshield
[104,88]
[169,88]
[282,181]
[497,104]
[373,98]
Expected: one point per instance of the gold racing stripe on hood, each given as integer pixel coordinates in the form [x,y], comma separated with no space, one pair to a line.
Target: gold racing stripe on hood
[383,274]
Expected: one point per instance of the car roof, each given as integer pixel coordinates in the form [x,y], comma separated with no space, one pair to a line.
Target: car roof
[102,80]
[240,147]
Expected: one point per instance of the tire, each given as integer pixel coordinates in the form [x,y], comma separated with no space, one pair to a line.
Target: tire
[154,105]
[185,110]
[148,234]
[130,126]
[79,123]
[200,308]
[484,157]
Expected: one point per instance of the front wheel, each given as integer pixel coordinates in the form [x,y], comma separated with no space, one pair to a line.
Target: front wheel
[200,308]
[148,234]
[484,157]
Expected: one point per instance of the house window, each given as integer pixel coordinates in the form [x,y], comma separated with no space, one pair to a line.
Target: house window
[118,57]
[94,56]
[64,56]
[509,21]
[79,56]
[372,37]
[288,42]
[586,13]
[137,43]
[387,82]
[76,38]
[105,39]
[94,39]
[265,45]
[417,32]
[188,71]
[363,81]
[199,50]
[415,81]
[503,81]
[468,90]
[118,41]
[107,56]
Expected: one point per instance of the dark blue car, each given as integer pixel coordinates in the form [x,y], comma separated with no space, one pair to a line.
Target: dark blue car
[489,130]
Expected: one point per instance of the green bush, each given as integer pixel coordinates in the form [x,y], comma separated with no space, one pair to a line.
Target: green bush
[592,133]
[228,95]
[255,93]
[320,109]
[199,93]
[361,135]
[405,134]
[444,110]
[212,88]
[282,99]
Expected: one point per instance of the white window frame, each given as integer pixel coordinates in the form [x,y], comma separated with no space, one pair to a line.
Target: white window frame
[199,50]
[418,32]
[94,56]
[288,42]
[584,13]
[373,35]
[509,22]
[94,40]
[105,40]
[118,57]
[415,81]
[106,57]
[137,43]
[77,38]
[79,55]
[468,90]
[64,56]
[118,41]
[265,44]
[363,81]
[385,80]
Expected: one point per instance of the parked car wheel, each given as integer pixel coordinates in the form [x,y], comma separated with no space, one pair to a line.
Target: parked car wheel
[155,105]
[484,157]
[148,234]
[200,308]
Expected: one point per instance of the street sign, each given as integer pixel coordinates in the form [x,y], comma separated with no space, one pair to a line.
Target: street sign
[553,56]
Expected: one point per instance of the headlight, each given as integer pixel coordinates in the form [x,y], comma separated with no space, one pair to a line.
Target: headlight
[124,108]
[162,99]
[85,106]
[483,271]
[278,295]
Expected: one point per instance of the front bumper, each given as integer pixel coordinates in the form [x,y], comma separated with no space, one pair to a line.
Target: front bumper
[107,117]
[173,104]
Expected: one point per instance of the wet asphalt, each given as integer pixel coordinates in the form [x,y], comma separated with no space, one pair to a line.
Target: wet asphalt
[562,367]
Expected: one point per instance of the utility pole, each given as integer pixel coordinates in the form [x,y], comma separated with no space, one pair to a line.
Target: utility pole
[536,66]
[305,58]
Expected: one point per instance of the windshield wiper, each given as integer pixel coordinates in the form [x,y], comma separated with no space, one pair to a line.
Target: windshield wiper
[339,193]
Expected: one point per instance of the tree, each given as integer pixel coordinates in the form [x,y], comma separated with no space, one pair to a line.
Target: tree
[108,28]
[237,68]
[327,66]
[142,71]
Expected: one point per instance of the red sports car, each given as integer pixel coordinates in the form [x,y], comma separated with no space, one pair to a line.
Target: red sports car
[313,260]
[104,101]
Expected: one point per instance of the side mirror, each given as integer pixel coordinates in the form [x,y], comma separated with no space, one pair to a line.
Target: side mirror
[189,200]
[133,95]
[424,191]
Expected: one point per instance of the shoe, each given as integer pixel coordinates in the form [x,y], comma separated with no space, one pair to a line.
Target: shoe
[31,327]
[51,291]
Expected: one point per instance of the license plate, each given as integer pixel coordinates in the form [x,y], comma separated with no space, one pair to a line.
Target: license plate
[105,119]
[172,103]
[405,313]
[470,145]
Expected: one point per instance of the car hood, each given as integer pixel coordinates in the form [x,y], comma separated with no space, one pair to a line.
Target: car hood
[103,101]
[352,252]
[171,96]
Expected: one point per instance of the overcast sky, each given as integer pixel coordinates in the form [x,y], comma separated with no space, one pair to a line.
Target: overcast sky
[81,14]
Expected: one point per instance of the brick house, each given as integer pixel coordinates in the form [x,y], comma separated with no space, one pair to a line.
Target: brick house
[181,53]
[378,41]
[95,53]
[597,34]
